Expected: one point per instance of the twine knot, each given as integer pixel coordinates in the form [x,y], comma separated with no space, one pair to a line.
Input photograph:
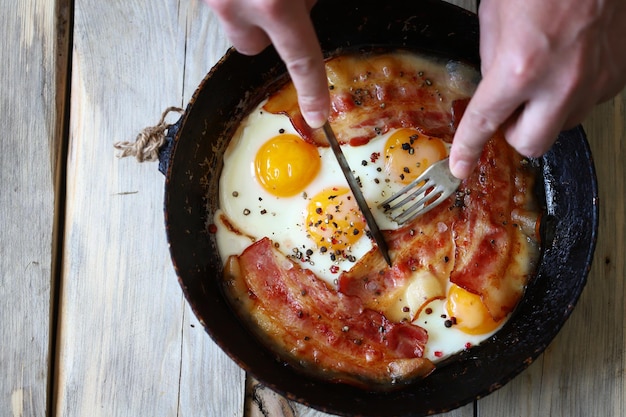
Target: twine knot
[148,142]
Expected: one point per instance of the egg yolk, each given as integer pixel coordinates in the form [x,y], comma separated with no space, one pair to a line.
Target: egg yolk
[408,153]
[334,220]
[471,315]
[286,164]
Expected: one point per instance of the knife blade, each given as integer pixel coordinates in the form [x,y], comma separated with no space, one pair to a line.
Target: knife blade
[356,191]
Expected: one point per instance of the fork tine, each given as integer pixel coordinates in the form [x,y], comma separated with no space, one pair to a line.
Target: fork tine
[424,177]
[386,205]
[414,194]
[424,193]
[422,206]
[423,200]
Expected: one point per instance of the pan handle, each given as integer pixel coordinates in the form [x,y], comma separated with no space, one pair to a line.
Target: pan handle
[165,151]
[153,142]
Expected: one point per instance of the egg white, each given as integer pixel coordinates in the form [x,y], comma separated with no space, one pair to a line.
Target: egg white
[257,213]
[254,213]
[444,341]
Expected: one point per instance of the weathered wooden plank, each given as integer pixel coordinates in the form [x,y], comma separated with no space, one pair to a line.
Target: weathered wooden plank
[30,120]
[126,345]
[582,371]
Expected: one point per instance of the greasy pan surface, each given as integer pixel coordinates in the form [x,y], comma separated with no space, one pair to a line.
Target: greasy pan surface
[237,83]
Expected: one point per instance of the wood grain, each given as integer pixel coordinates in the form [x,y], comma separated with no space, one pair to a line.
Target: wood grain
[582,372]
[129,345]
[29,119]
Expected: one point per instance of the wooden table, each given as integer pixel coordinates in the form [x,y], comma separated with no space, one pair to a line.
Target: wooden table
[93,321]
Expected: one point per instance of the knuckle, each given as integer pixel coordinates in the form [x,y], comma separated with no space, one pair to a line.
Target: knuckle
[467,151]
[314,104]
[528,64]
[523,73]
[309,77]
[467,146]
[301,65]
[249,41]
[311,100]
[461,153]
[480,122]
[531,147]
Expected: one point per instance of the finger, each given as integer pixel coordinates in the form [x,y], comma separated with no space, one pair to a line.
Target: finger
[489,34]
[297,44]
[536,128]
[247,39]
[577,116]
[493,103]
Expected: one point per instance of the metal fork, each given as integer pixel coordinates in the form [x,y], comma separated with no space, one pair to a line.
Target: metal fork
[423,194]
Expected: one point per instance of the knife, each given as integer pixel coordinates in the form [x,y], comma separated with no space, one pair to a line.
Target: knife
[356,191]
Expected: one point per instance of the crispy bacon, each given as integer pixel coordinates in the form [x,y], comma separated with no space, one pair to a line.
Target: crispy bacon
[354,334]
[320,329]
[488,241]
[472,239]
[371,95]
[426,245]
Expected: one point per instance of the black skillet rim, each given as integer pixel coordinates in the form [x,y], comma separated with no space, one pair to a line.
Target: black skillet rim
[572,221]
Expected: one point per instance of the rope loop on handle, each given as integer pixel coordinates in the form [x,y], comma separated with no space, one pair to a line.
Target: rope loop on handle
[146,146]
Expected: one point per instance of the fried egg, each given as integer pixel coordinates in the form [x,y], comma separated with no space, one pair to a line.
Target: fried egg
[276,184]
[456,322]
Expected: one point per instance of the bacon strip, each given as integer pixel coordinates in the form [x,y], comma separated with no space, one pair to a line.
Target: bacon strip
[371,95]
[487,239]
[472,238]
[426,245]
[319,329]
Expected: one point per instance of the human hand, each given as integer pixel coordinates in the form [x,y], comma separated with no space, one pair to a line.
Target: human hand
[545,64]
[251,25]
